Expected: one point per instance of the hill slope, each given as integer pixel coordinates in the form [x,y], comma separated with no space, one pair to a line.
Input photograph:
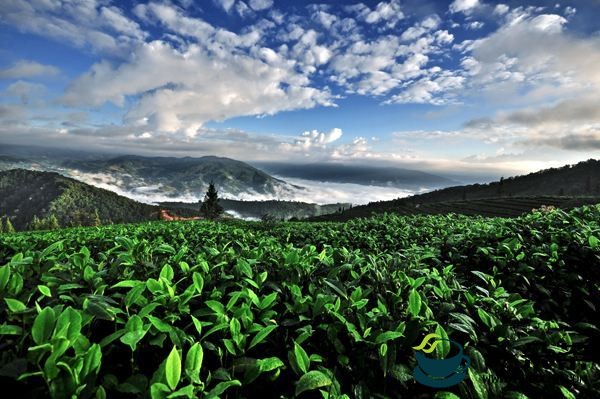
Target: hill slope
[147,178]
[566,187]
[182,176]
[25,194]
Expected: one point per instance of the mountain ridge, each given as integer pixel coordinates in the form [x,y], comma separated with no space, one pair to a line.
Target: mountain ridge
[568,186]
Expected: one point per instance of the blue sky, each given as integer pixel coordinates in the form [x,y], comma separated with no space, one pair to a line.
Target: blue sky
[465,85]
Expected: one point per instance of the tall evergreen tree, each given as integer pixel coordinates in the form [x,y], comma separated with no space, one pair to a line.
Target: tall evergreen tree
[52,223]
[210,207]
[8,227]
[1,225]
[35,224]
[96,219]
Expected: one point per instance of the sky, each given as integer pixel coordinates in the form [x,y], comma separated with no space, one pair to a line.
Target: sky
[465,85]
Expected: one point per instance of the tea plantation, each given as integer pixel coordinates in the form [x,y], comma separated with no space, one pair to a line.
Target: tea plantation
[322,310]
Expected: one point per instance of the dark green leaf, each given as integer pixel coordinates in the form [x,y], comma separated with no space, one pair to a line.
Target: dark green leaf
[311,381]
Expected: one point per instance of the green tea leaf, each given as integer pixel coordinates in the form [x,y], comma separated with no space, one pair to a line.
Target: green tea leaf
[387,336]
[173,368]
[43,326]
[4,276]
[302,360]
[159,391]
[261,336]
[15,305]
[45,290]
[478,384]
[270,364]
[414,303]
[222,387]
[566,393]
[198,282]
[193,362]
[311,381]
[9,329]
[443,347]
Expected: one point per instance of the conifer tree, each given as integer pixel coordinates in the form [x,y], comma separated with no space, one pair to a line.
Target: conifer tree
[1,225]
[96,222]
[210,207]
[35,224]
[8,227]
[52,223]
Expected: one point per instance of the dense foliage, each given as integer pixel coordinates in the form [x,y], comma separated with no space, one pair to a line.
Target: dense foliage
[568,186]
[25,194]
[252,310]
[490,207]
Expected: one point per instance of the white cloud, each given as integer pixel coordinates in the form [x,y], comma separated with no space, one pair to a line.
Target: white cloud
[501,9]
[83,24]
[475,25]
[324,18]
[535,54]
[225,4]
[388,13]
[113,18]
[570,11]
[27,69]
[465,6]
[25,90]
[312,139]
[242,9]
[259,5]
[177,98]
[551,23]
[438,89]
[428,24]
[238,77]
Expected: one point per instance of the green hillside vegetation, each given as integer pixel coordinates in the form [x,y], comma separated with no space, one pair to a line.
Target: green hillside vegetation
[39,200]
[330,310]
[566,187]
[490,207]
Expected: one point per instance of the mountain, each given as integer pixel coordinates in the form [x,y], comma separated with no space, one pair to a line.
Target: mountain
[566,187]
[385,176]
[146,178]
[261,209]
[25,194]
[182,176]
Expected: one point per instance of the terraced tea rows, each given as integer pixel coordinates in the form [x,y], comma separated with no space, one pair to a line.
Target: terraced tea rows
[490,207]
[248,310]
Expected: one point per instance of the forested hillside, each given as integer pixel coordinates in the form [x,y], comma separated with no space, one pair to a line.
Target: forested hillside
[25,194]
[566,187]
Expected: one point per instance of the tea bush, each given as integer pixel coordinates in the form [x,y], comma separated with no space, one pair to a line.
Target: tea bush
[332,310]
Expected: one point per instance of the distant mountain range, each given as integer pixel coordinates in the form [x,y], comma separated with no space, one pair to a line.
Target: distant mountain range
[27,194]
[568,186]
[177,177]
[385,176]
[155,179]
